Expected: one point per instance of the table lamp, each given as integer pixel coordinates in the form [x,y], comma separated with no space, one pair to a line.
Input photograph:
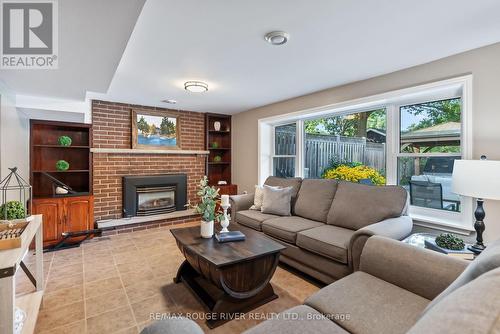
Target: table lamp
[479,179]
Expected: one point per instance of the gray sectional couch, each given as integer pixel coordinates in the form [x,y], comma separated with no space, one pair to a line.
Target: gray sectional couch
[401,288]
[330,222]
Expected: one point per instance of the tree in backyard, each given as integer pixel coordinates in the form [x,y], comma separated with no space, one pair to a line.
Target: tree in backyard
[434,113]
[349,125]
[337,125]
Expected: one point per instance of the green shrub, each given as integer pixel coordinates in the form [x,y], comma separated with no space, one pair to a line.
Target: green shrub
[12,210]
[62,165]
[449,241]
[64,141]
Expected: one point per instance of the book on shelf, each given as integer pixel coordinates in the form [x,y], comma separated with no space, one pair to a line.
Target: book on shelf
[230,236]
[464,254]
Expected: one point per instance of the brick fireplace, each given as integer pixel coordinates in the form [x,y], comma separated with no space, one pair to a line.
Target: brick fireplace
[113,158]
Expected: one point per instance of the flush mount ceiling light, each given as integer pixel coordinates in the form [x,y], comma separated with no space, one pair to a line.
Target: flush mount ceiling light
[195,86]
[169,101]
[277,37]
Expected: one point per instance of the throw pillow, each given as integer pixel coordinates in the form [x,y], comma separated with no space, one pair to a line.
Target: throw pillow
[258,198]
[277,201]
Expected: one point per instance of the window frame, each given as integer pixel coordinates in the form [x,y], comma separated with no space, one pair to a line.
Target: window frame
[429,215]
[458,222]
[273,150]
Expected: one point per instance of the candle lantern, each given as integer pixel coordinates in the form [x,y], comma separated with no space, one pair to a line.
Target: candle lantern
[15,196]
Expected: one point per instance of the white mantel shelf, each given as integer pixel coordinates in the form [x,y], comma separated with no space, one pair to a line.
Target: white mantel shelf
[146,151]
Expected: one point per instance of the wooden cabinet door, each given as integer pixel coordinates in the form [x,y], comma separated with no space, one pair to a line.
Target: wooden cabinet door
[79,213]
[51,210]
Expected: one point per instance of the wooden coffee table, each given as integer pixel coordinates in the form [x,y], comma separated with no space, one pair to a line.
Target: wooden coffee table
[227,278]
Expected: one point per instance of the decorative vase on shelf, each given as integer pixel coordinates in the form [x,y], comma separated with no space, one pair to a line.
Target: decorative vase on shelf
[64,141]
[217,126]
[215,145]
[62,165]
[207,229]
[217,158]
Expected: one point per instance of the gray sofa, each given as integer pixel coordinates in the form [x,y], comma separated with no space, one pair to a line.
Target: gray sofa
[402,289]
[330,222]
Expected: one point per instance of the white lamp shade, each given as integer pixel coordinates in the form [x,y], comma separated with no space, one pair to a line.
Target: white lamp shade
[477,178]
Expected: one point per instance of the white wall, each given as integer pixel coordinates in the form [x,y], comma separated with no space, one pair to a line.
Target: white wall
[14,137]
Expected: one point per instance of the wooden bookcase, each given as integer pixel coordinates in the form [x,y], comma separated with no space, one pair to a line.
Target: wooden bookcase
[218,143]
[61,213]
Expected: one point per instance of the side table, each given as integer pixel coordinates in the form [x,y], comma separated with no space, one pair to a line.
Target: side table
[418,240]
[10,261]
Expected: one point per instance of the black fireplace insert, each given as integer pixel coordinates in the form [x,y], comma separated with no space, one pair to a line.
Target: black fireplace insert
[154,194]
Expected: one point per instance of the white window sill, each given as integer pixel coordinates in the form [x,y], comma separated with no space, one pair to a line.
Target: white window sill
[441,224]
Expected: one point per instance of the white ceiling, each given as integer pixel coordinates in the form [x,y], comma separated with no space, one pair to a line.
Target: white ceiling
[332,42]
[92,37]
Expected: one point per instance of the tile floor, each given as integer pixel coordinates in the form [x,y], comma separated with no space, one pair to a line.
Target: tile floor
[113,285]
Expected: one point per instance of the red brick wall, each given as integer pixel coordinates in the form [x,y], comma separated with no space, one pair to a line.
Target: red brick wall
[111,123]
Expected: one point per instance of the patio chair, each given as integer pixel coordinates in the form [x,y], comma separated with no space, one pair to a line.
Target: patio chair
[429,195]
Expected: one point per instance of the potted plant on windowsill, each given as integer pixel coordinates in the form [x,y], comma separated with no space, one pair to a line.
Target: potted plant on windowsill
[207,207]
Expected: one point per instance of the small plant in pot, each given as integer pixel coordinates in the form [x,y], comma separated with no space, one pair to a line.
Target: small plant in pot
[12,210]
[450,241]
[207,207]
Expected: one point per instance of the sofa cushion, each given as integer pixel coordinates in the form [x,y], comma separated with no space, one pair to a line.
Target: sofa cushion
[286,228]
[488,260]
[374,305]
[277,201]
[258,197]
[315,199]
[281,182]
[472,308]
[252,218]
[297,320]
[358,205]
[327,240]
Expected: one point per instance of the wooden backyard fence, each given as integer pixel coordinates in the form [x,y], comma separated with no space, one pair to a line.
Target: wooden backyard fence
[320,149]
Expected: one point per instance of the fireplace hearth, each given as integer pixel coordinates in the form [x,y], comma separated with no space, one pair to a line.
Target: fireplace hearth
[154,194]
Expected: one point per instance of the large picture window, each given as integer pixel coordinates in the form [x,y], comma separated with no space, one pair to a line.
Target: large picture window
[410,137]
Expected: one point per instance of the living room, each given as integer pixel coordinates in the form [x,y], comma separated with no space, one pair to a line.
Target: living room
[258,167]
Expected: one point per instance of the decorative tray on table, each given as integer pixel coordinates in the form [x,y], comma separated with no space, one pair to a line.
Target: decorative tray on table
[11,231]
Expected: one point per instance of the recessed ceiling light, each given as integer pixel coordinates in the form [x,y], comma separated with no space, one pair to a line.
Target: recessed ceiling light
[195,86]
[277,37]
[169,101]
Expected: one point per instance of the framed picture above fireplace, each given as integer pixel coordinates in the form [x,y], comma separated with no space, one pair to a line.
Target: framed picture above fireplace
[154,130]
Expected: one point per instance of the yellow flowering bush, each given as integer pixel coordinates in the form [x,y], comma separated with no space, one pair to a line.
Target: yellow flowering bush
[354,174]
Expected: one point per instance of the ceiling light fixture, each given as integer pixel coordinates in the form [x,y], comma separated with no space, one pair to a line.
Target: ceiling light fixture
[277,37]
[169,101]
[195,86]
